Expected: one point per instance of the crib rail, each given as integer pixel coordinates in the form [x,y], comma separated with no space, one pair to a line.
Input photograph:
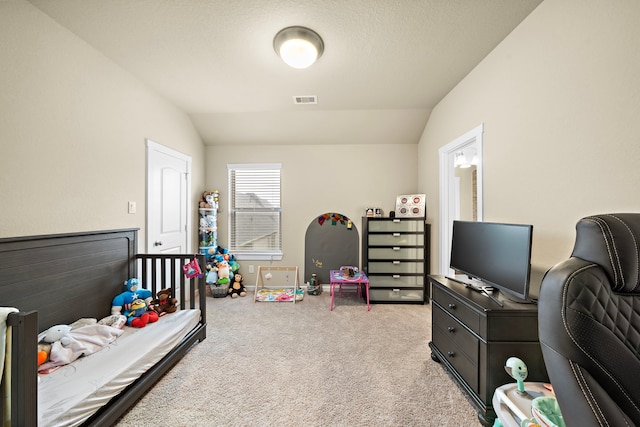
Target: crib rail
[23,408]
[158,271]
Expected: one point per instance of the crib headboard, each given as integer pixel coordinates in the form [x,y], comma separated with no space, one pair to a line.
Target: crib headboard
[66,276]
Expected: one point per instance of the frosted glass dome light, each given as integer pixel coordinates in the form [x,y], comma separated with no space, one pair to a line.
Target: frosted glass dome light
[299,47]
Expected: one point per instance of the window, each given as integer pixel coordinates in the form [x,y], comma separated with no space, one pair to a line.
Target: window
[255,229]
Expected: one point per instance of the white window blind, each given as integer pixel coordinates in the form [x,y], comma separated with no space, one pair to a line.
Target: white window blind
[255,229]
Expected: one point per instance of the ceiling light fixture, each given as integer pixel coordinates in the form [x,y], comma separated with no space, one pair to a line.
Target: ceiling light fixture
[299,47]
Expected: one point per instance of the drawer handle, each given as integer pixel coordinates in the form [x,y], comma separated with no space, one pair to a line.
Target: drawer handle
[451,354]
[396,276]
[451,329]
[397,221]
[452,306]
[396,234]
[396,262]
[396,248]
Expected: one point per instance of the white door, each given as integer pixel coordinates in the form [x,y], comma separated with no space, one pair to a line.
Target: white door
[168,200]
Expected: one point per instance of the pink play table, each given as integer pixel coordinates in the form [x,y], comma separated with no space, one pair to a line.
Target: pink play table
[339,279]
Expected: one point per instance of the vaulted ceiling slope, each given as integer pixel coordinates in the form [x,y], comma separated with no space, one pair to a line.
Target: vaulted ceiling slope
[386,63]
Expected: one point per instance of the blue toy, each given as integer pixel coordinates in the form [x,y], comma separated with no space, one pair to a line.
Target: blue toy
[138,314]
[123,301]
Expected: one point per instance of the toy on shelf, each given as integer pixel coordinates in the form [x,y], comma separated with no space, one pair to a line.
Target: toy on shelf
[210,200]
[208,226]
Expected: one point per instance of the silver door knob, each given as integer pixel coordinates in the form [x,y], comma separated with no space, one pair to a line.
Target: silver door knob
[157,243]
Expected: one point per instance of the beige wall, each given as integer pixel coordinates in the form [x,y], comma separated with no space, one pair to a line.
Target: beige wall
[72,132]
[318,179]
[559,99]
[560,102]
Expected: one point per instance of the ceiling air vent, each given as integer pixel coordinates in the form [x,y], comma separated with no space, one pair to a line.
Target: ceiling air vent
[311,99]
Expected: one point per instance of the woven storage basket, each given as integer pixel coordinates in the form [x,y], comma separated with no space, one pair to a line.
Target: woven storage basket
[219,291]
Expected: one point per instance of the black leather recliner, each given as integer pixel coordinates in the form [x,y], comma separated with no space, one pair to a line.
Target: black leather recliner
[589,323]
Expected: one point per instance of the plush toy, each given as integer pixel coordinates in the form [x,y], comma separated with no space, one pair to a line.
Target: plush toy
[237,288]
[57,333]
[223,273]
[164,303]
[132,292]
[45,339]
[192,269]
[138,314]
[212,275]
[44,349]
[209,200]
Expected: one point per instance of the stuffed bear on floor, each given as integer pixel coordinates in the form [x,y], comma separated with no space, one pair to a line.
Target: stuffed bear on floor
[237,288]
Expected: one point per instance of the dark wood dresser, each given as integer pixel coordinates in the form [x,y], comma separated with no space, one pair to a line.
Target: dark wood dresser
[473,336]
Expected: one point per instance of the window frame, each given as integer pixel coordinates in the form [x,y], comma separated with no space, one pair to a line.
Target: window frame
[273,254]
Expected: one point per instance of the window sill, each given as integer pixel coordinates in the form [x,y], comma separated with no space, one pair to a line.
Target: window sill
[257,256]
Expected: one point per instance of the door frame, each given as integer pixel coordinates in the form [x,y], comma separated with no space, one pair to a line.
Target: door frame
[154,146]
[449,205]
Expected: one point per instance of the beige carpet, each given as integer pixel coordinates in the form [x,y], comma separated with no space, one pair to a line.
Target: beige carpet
[280,364]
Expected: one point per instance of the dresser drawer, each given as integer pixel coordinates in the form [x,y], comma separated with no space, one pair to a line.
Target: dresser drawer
[461,337]
[456,308]
[396,295]
[396,239]
[396,252]
[396,281]
[457,358]
[396,225]
[391,267]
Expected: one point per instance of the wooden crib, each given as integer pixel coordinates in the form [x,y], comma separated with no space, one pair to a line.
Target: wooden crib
[57,279]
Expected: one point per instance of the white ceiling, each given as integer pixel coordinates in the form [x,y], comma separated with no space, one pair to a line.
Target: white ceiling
[386,63]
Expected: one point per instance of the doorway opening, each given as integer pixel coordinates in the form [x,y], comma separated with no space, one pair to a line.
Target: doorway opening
[459,192]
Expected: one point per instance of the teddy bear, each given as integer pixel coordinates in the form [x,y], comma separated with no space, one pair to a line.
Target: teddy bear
[164,303]
[132,292]
[237,288]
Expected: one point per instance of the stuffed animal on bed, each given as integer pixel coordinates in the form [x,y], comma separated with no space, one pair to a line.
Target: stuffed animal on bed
[132,292]
[139,314]
[58,333]
[45,339]
[237,288]
[164,303]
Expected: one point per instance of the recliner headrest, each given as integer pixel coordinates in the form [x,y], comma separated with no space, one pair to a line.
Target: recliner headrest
[611,240]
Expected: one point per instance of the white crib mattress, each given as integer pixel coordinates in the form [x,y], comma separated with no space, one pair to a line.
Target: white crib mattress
[74,392]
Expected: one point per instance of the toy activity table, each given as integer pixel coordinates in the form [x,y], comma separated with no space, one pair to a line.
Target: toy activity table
[339,278]
[512,407]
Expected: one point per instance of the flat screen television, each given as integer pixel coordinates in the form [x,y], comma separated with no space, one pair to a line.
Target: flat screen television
[496,254]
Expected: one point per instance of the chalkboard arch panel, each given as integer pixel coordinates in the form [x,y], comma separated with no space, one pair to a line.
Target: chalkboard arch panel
[331,241]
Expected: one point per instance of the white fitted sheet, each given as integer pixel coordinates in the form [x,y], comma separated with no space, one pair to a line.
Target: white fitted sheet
[72,393]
